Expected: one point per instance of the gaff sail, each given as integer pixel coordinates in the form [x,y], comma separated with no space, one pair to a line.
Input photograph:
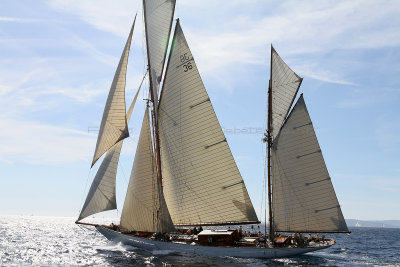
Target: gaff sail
[303,196]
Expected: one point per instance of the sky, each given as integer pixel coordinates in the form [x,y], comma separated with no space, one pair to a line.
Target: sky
[58,58]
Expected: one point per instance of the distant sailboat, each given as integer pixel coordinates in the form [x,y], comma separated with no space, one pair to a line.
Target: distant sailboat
[184,174]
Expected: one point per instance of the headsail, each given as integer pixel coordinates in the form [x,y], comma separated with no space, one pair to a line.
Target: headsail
[303,196]
[202,184]
[101,196]
[144,207]
[285,83]
[158,15]
[114,126]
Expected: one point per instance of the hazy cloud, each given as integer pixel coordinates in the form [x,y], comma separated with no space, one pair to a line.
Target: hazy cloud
[39,143]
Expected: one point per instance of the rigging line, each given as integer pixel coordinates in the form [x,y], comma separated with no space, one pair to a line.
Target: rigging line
[131,137]
[144,44]
[123,172]
[85,189]
[138,6]
[264,153]
[265,180]
[144,77]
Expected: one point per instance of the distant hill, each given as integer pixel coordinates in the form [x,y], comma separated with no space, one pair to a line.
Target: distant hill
[384,223]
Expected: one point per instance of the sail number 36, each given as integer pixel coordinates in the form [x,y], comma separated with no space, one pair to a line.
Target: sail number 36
[186,64]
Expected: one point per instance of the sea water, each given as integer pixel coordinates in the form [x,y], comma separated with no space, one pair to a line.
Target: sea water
[57,241]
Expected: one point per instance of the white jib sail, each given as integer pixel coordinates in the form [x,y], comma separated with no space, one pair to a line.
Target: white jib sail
[101,196]
[158,21]
[202,184]
[303,196]
[144,206]
[114,125]
[285,84]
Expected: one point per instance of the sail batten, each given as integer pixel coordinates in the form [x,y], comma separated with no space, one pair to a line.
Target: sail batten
[303,196]
[144,207]
[114,126]
[102,195]
[197,164]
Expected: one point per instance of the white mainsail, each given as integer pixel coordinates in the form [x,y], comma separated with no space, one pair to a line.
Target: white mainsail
[158,15]
[284,84]
[303,196]
[144,206]
[101,196]
[202,184]
[114,125]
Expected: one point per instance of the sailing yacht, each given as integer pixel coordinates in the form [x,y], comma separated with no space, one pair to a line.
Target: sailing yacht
[184,174]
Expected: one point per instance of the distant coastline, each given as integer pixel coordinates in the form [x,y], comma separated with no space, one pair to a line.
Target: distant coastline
[379,223]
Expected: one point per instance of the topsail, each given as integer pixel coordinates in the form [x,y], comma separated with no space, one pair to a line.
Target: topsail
[284,84]
[202,184]
[158,16]
[114,126]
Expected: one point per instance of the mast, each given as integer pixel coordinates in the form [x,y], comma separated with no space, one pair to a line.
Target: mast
[269,145]
[156,138]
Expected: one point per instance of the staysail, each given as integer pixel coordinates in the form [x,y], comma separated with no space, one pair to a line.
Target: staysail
[101,196]
[158,15]
[114,126]
[284,83]
[202,184]
[303,196]
[144,207]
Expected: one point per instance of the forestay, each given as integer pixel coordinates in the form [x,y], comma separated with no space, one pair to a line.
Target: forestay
[285,83]
[303,196]
[114,126]
[202,184]
[144,207]
[101,196]
[158,16]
